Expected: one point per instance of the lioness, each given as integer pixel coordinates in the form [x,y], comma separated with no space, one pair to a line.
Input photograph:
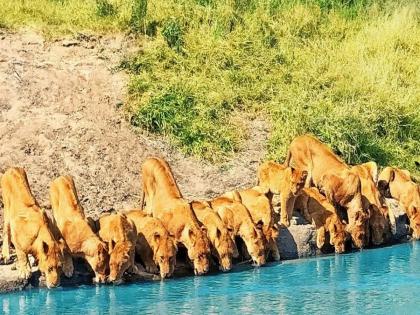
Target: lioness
[380,229]
[121,236]
[155,246]
[259,207]
[326,220]
[234,214]
[223,247]
[396,183]
[286,181]
[27,227]
[78,234]
[335,179]
[165,202]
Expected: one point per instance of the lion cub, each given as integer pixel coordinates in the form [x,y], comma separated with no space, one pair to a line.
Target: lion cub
[326,220]
[26,226]
[121,236]
[276,178]
[234,214]
[397,184]
[259,207]
[164,200]
[223,247]
[155,246]
[76,231]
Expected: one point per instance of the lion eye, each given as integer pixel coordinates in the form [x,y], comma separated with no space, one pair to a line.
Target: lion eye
[50,269]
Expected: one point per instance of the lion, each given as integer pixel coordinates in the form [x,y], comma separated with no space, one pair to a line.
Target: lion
[155,246]
[26,226]
[165,202]
[234,214]
[223,246]
[380,228]
[323,214]
[76,231]
[334,178]
[259,206]
[396,183]
[276,178]
[120,234]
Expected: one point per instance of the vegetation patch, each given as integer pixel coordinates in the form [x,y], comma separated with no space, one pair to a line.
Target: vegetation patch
[347,71]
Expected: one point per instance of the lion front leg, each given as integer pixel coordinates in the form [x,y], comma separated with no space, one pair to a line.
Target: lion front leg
[23,266]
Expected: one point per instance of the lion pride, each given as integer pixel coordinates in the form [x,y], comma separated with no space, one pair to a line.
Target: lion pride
[286,181]
[380,228]
[335,179]
[223,246]
[164,200]
[396,183]
[259,206]
[121,237]
[326,220]
[155,246]
[71,221]
[234,214]
[26,226]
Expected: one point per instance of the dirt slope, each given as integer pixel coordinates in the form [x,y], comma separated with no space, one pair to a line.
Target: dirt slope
[58,115]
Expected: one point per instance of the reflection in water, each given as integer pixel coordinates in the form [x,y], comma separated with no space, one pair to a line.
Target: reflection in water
[377,281]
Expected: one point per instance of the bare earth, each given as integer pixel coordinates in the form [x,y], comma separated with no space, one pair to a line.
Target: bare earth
[59,115]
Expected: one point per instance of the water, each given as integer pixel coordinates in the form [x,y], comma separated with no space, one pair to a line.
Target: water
[380,281]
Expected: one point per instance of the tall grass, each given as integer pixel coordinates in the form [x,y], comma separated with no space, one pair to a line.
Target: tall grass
[346,71]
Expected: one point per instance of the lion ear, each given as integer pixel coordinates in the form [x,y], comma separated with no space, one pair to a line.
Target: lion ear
[45,248]
[156,236]
[391,175]
[407,173]
[218,233]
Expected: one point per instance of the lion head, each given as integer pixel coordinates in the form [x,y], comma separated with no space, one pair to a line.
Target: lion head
[255,243]
[50,263]
[164,254]
[120,260]
[198,248]
[224,247]
[97,256]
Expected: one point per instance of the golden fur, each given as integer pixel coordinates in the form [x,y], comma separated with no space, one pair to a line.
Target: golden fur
[380,228]
[235,215]
[164,200]
[335,179]
[155,246]
[396,183]
[276,178]
[259,206]
[326,220]
[70,218]
[223,246]
[120,234]
[26,226]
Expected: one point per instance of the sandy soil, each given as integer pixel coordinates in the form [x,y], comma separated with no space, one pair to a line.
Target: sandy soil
[59,115]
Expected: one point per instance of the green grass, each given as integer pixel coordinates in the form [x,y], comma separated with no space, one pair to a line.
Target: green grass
[347,71]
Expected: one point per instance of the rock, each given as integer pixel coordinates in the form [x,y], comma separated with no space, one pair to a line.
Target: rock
[398,218]
[70,42]
[297,241]
[9,280]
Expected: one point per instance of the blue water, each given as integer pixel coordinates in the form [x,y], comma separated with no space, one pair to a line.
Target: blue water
[380,281]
